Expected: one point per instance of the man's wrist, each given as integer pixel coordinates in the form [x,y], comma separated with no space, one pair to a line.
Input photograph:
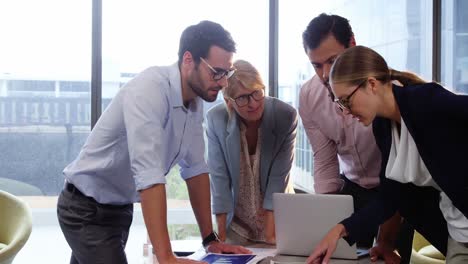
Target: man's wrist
[212,237]
[164,257]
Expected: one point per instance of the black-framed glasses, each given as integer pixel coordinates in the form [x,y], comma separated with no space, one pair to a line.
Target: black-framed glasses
[217,73]
[244,100]
[345,103]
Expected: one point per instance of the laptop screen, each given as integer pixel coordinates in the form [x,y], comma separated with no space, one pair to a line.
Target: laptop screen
[302,220]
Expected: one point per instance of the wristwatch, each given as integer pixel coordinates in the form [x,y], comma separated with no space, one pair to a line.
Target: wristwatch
[210,238]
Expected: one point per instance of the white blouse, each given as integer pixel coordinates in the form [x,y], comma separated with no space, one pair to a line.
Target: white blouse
[405,165]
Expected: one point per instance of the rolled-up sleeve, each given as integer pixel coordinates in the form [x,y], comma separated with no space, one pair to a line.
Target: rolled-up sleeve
[194,163]
[144,112]
[222,200]
[326,166]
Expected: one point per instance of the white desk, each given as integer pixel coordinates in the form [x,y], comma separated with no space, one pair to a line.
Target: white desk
[281,259]
[267,253]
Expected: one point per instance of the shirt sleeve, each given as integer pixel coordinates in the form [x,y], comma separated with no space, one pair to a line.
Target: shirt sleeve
[364,222]
[145,111]
[326,166]
[194,164]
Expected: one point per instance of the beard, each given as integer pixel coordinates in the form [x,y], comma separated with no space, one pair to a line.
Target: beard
[204,94]
[195,84]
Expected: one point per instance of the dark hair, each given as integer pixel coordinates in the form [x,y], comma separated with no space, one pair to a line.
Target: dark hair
[323,25]
[197,39]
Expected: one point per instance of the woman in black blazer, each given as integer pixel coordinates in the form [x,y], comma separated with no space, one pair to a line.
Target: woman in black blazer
[422,131]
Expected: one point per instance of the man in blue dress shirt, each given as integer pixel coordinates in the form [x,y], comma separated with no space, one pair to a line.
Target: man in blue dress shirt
[153,123]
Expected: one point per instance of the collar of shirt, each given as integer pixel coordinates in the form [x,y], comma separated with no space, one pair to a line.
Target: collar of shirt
[176,84]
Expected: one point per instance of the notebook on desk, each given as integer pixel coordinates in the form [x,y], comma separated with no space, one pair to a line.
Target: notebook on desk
[302,220]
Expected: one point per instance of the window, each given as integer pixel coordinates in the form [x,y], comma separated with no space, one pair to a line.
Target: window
[45,44]
[43,51]
[139,34]
[454,50]
[408,47]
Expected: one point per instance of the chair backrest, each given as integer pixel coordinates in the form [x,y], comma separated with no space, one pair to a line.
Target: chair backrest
[15,227]
[424,253]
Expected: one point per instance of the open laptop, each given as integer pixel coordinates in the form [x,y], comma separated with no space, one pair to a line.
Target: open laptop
[302,220]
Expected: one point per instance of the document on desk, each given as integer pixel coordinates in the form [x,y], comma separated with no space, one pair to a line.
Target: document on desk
[213,258]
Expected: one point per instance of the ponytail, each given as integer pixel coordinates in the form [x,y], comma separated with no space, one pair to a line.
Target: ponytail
[358,63]
[405,78]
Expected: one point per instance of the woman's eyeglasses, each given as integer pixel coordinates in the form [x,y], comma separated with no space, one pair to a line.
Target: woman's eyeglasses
[345,103]
[244,100]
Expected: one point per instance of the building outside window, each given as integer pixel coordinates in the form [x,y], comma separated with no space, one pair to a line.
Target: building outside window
[454,51]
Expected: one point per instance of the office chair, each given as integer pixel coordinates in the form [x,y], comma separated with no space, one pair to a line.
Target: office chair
[15,226]
[425,253]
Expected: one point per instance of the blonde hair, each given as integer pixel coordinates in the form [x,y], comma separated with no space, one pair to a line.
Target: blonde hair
[358,63]
[245,76]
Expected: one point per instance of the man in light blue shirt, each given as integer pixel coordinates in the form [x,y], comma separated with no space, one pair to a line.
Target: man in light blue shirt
[153,123]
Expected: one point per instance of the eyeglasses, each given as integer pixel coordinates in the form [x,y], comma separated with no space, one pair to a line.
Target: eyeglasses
[218,74]
[244,100]
[345,103]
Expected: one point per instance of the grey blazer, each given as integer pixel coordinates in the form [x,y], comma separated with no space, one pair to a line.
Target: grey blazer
[278,128]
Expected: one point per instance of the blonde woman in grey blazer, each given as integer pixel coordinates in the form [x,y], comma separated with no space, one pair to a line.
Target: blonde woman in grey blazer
[250,153]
